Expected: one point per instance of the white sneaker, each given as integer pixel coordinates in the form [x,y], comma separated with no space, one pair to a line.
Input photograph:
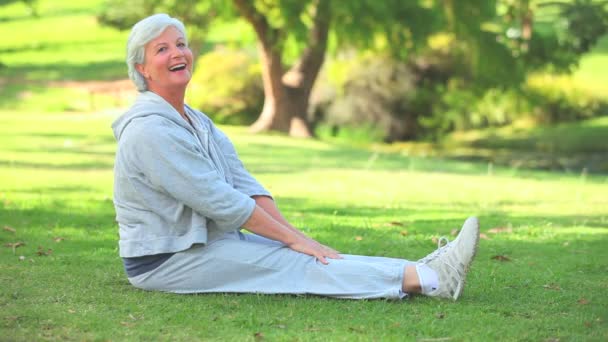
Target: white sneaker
[452,261]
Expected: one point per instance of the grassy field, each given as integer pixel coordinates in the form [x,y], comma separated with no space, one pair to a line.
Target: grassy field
[540,273]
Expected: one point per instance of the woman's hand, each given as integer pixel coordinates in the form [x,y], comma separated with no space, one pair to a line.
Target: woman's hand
[311,247]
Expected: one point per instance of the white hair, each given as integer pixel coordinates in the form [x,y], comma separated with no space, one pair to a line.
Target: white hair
[141,34]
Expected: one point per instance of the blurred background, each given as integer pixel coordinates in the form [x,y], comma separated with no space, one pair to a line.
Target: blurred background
[516,83]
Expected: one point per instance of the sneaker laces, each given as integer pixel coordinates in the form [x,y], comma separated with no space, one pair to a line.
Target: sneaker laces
[440,250]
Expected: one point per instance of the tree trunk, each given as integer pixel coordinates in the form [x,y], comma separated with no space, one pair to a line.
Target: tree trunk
[287,94]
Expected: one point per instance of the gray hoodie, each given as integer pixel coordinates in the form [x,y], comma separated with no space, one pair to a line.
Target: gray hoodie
[175,185]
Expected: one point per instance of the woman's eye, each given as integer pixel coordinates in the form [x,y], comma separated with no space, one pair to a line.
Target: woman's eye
[181,44]
[162,49]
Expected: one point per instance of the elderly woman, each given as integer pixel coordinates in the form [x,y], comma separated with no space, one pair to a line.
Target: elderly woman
[182,197]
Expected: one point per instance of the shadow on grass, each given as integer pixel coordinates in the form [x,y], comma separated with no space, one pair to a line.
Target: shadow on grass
[65,71]
[266,158]
[570,147]
[59,166]
[77,150]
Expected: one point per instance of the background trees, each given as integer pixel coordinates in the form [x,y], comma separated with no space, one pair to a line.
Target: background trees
[455,58]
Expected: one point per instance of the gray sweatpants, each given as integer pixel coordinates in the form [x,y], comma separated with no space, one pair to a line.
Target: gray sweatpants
[249,263]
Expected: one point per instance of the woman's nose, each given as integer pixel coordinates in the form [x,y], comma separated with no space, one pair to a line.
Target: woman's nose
[177,52]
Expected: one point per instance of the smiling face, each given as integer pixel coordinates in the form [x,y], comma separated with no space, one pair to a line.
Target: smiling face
[167,64]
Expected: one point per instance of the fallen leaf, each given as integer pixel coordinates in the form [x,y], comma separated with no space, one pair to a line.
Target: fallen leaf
[435,239]
[9,229]
[358,330]
[21,258]
[281,326]
[71,311]
[358,238]
[483,236]
[258,336]
[395,223]
[14,245]
[58,239]
[127,324]
[583,301]
[440,315]
[497,230]
[552,287]
[454,232]
[501,258]
[566,244]
[42,252]
[404,233]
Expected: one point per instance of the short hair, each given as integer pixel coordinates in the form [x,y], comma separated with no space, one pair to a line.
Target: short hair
[142,33]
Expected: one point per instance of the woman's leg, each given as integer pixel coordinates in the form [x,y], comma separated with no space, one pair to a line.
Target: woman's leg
[411,280]
[234,265]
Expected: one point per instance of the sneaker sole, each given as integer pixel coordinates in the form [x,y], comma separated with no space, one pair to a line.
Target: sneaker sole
[466,269]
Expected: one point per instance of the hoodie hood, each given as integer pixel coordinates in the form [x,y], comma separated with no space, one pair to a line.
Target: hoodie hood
[147,104]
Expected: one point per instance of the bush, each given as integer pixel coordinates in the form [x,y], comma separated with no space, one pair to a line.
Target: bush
[227,86]
[428,98]
[374,98]
[457,107]
[559,99]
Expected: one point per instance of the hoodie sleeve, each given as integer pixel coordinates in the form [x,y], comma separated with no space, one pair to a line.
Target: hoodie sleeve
[243,180]
[173,163]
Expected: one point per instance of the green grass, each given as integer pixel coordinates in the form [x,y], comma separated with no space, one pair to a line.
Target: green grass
[56,159]
[56,190]
[592,73]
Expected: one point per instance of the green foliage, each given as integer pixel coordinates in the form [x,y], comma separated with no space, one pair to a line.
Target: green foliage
[123,15]
[195,14]
[376,96]
[32,5]
[227,86]
[576,28]
[560,99]
[399,28]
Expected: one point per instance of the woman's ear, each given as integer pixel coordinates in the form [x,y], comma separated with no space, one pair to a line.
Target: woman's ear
[141,69]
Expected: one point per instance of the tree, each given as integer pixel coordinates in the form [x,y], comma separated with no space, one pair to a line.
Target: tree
[286,93]
[293,38]
[493,43]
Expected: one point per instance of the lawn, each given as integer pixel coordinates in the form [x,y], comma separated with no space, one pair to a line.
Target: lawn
[539,275]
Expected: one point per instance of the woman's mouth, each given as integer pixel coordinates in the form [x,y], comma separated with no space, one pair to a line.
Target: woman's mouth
[178,67]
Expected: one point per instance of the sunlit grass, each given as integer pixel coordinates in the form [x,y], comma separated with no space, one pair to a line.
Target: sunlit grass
[592,73]
[56,190]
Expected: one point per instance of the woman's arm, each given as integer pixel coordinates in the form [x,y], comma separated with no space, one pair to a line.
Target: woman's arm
[271,208]
[262,223]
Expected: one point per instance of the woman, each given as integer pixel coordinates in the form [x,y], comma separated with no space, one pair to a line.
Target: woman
[182,195]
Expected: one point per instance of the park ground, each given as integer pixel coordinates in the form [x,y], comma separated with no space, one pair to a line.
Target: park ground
[539,192]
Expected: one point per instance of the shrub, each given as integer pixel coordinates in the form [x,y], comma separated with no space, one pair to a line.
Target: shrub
[373,98]
[558,98]
[227,86]
[429,97]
